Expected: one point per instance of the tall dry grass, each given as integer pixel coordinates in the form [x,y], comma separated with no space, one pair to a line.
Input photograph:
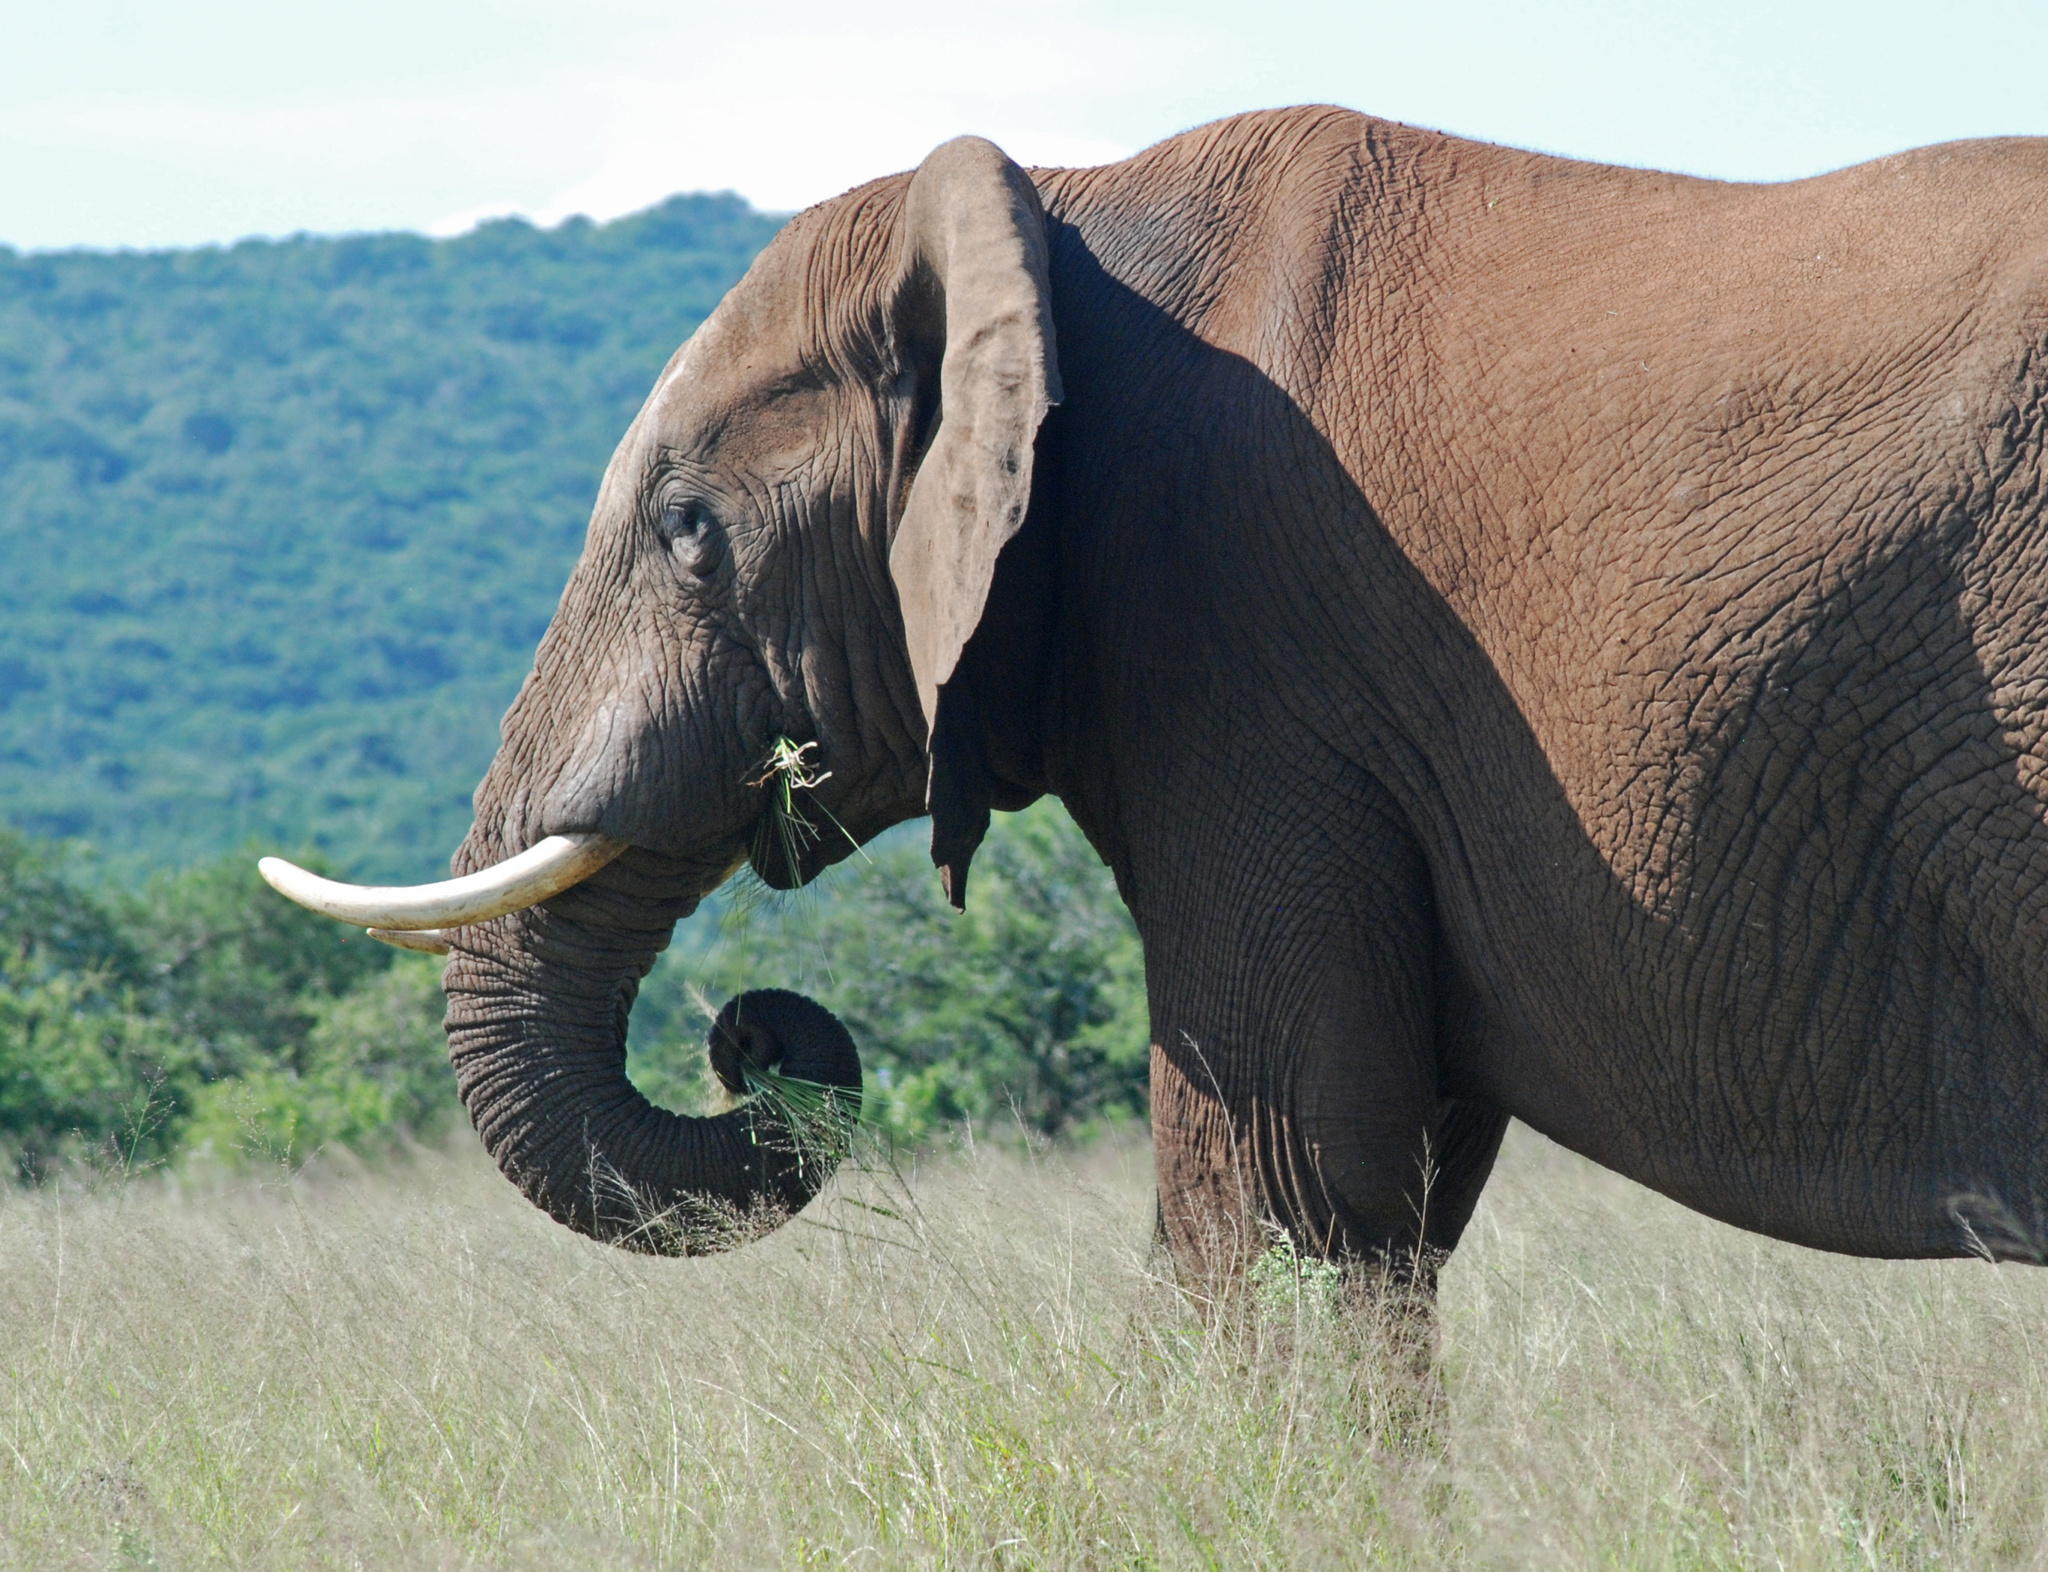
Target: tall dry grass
[981,1368]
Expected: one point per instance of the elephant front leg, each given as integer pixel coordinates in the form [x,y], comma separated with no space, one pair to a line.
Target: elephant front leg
[1297,1074]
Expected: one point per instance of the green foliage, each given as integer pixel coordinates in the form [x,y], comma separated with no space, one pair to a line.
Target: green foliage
[282,522]
[1028,1009]
[83,1073]
[208,1011]
[374,1068]
[240,972]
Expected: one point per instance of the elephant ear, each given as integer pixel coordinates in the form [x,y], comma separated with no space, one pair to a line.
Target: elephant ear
[975,235]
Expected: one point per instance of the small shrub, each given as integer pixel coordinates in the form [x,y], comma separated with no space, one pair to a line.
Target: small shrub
[1285,1282]
[374,1071]
[84,1075]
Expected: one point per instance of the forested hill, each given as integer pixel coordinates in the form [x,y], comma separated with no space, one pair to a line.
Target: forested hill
[281,523]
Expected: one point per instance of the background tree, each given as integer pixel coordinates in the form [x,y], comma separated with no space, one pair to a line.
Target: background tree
[281,522]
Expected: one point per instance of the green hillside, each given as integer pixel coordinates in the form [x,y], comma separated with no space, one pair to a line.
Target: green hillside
[281,523]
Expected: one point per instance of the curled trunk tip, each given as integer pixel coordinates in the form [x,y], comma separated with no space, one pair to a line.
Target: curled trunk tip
[797,1066]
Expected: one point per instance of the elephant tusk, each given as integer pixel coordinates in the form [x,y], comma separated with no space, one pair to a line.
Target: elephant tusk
[428,941]
[518,882]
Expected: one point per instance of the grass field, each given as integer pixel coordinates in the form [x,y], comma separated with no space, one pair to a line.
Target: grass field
[977,1365]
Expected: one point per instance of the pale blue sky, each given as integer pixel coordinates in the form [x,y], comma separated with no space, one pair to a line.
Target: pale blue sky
[158,122]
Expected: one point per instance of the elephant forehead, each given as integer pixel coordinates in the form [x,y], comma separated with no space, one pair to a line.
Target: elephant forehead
[703,381]
[739,390]
[756,336]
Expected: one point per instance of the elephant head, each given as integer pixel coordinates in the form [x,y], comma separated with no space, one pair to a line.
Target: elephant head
[790,549]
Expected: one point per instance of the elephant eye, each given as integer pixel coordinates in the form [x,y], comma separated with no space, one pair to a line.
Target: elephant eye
[693,536]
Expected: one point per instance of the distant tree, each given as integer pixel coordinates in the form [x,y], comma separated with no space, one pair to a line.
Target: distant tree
[48,920]
[84,1069]
[240,973]
[373,1069]
[282,522]
[204,1011]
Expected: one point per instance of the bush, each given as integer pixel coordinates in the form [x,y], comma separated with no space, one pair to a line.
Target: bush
[374,1069]
[84,1075]
[240,972]
[207,1011]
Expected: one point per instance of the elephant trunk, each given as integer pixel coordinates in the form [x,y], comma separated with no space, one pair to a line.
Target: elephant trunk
[537,1009]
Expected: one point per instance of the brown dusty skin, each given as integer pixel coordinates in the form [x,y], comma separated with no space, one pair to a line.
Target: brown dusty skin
[1530,638]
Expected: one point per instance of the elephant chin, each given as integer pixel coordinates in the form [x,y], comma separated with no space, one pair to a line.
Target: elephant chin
[537,1011]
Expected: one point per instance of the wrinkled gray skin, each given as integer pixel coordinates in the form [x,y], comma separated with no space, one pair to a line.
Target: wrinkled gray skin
[1530,638]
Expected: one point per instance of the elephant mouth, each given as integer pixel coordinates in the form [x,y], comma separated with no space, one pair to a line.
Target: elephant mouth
[787,849]
[796,837]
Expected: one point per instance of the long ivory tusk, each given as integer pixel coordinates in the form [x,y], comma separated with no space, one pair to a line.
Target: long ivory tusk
[518,882]
[428,941]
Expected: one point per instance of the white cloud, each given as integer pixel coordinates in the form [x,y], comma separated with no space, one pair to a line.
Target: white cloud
[789,119]
[786,117]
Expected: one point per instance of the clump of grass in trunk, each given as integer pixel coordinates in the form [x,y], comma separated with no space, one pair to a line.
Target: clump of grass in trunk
[812,1122]
[821,1120]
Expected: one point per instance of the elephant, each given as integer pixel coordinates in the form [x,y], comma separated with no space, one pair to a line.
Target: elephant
[1531,639]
